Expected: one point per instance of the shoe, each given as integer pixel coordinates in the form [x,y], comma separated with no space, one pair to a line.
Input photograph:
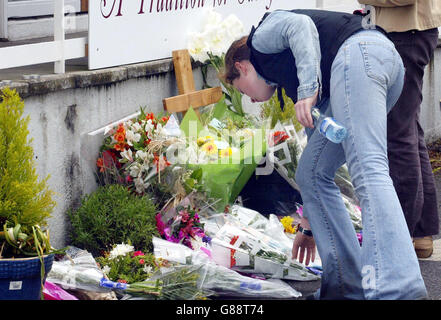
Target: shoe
[423,246]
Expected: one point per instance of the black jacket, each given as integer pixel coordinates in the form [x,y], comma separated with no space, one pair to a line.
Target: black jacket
[333,29]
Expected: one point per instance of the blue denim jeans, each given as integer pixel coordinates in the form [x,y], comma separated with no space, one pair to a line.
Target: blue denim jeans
[366,80]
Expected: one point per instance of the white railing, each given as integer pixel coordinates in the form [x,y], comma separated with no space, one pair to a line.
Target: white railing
[34,8]
[4,19]
[57,51]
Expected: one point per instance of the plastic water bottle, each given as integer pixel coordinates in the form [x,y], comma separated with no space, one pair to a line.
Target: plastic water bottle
[328,126]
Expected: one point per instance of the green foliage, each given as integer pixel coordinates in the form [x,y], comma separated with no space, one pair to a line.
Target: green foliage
[129,268]
[112,214]
[272,111]
[24,199]
[181,283]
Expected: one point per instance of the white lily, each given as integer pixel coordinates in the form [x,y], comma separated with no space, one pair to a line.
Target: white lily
[233,27]
[136,127]
[136,170]
[149,128]
[139,185]
[142,155]
[132,137]
[127,154]
[120,250]
[198,46]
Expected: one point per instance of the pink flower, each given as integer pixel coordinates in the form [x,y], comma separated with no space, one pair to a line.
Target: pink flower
[141,261]
[159,224]
[169,236]
[300,211]
[184,216]
[138,253]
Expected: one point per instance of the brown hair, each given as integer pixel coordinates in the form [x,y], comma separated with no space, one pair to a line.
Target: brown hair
[238,51]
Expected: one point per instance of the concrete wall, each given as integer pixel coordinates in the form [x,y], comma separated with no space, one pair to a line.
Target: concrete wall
[65,108]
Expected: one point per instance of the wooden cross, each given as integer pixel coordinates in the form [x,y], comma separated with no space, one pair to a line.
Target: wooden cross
[188,96]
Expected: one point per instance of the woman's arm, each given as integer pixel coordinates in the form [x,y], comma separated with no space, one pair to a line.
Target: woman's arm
[285,29]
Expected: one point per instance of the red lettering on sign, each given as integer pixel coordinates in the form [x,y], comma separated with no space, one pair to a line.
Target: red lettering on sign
[104,8]
[219,2]
[169,5]
[141,11]
[269,6]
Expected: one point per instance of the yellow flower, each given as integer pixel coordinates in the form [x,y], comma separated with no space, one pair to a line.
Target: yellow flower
[202,140]
[225,152]
[287,224]
[209,148]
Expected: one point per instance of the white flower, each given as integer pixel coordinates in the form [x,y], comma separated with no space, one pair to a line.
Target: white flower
[216,36]
[160,130]
[132,137]
[149,127]
[198,47]
[120,250]
[136,170]
[139,185]
[127,154]
[217,39]
[106,270]
[136,127]
[147,269]
[233,27]
[212,18]
[142,155]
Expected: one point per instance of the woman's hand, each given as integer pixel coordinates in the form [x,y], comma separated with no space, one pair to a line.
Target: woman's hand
[303,110]
[304,243]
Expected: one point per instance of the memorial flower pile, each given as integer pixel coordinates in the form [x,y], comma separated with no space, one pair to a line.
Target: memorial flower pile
[184,227]
[199,166]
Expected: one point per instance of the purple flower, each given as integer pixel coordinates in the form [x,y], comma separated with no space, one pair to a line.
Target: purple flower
[206,239]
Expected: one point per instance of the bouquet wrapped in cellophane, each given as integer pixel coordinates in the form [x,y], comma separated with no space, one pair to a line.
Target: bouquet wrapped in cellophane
[228,149]
[136,153]
[246,241]
[181,223]
[219,280]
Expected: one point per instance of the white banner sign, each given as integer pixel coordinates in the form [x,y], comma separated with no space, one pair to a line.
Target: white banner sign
[131,31]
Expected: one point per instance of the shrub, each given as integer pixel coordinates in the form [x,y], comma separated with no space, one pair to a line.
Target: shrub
[25,200]
[22,197]
[112,214]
